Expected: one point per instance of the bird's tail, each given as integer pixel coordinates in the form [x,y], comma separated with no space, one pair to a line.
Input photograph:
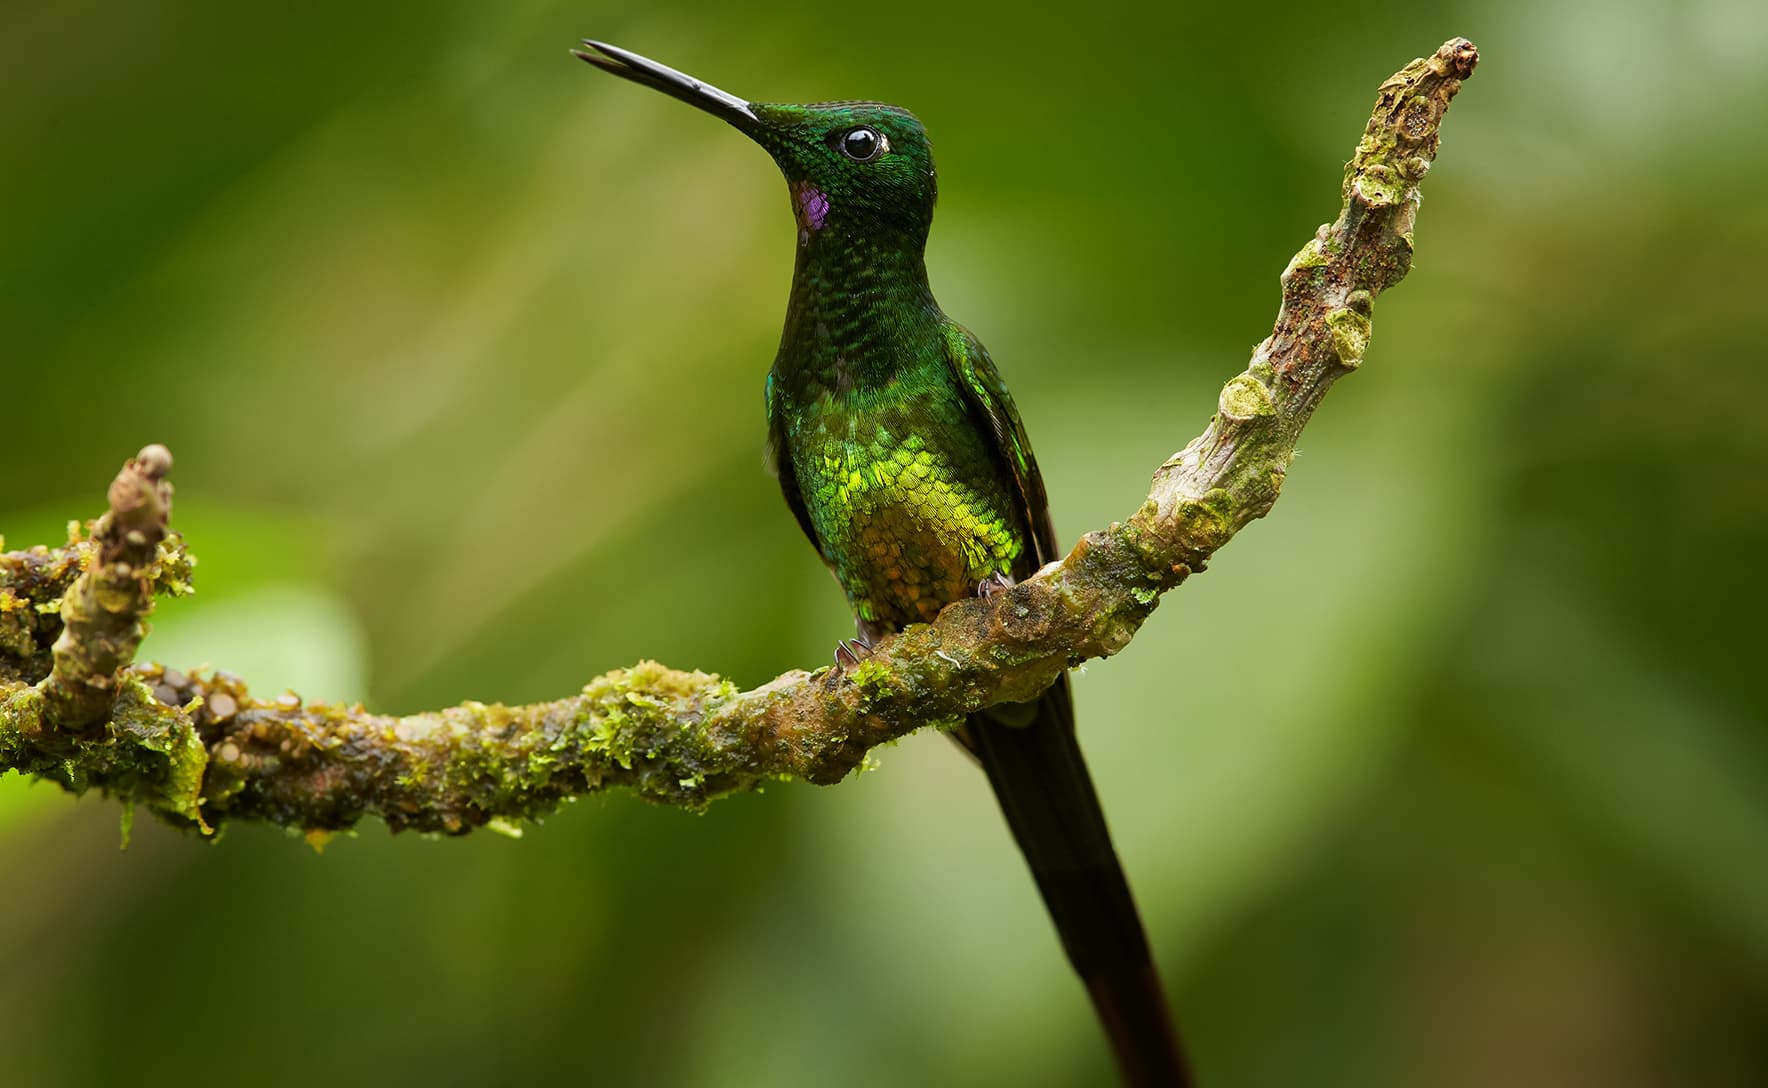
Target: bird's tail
[1045,792]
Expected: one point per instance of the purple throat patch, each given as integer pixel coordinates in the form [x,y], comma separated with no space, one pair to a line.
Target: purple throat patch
[812,206]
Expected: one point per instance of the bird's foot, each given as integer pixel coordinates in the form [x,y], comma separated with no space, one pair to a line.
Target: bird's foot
[993,584]
[848,653]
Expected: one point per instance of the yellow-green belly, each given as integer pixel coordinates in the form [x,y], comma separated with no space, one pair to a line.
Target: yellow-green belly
[909,525]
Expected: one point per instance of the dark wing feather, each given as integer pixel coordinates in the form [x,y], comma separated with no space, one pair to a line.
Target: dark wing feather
[998,417]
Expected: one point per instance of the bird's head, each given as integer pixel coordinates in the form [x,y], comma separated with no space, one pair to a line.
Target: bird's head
[860,165]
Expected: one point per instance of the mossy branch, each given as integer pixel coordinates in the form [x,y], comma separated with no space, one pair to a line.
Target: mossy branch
[200,750]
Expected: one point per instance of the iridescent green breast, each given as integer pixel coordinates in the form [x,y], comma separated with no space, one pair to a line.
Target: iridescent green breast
[907,499]
[882,454]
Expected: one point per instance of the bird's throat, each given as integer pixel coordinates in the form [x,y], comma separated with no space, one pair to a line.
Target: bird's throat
[860,310]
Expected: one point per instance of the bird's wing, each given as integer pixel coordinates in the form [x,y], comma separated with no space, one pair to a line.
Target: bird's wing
[993,408]
[779,461]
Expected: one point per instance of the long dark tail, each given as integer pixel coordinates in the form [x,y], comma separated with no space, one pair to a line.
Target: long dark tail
[1037,772]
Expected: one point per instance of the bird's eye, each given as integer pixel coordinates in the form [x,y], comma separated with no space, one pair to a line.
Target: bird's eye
[863,144]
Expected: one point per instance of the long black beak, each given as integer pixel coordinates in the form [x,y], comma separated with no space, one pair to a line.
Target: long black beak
[649,73]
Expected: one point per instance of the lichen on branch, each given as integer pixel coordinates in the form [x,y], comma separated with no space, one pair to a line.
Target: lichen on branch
[202,749]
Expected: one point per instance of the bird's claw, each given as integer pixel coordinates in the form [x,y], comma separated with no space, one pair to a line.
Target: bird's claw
[848,653]
[992,585]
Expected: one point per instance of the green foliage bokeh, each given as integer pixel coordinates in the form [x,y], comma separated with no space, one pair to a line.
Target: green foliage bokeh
[1448,773]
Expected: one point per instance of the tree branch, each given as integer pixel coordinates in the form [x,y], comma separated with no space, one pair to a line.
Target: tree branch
[202,749]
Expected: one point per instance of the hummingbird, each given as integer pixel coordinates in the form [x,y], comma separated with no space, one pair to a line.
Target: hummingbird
[903,457]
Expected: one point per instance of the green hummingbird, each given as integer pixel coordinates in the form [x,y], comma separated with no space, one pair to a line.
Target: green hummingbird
[902,455]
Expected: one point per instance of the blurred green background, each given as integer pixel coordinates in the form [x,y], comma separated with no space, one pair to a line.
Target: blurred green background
[1450,773]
